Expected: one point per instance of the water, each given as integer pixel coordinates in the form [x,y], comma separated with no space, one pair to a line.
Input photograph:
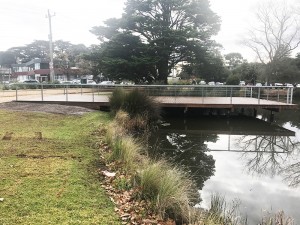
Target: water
[247,160]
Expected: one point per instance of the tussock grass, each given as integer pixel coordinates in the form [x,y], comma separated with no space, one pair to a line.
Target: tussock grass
[126,150]
[278,219]
[169,189]
[136,104]
[222,213]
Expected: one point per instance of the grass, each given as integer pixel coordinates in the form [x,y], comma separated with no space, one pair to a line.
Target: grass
[168,188]
[53,180]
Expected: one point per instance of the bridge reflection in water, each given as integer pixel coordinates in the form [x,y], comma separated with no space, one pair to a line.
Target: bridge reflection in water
[243,134]
[240,157]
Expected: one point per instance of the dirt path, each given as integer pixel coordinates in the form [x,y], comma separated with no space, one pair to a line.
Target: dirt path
[47,108]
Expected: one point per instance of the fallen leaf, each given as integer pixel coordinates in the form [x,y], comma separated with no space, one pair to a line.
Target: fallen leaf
[108,174]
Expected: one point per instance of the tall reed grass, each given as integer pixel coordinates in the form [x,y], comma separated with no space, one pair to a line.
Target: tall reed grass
[169,189]
[136,103]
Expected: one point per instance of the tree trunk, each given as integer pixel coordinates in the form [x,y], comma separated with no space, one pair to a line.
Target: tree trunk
[163,70]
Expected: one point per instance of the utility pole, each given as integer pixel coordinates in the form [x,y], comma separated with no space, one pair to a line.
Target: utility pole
[52,73]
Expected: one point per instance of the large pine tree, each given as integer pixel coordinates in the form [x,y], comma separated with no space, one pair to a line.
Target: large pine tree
[168,32]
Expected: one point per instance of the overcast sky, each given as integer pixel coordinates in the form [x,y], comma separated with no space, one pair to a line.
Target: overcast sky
[22,22]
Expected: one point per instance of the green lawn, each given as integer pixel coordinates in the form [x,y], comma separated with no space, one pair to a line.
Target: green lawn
[53,180]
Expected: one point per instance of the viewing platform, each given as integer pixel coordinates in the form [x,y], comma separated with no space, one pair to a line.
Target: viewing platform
[169,96]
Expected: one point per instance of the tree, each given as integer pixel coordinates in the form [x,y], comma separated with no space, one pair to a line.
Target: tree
[234,59]
[209,67]
[124,57]
[276,35]
[172,29]
[249,72]
[7,58]
[66,55]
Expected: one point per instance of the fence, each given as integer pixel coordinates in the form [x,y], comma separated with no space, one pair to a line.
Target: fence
[91,93]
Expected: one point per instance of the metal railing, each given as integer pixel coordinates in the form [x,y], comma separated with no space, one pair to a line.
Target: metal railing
[89,92]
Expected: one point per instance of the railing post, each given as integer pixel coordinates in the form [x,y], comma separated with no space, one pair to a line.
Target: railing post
[93,93]
[81,88]
[267,94]
[291,98]
[16,93]
[251,89]
[277,95]
[258,95]
[287,95]
[202,95]
[66,93]
[42,92]
[231,95]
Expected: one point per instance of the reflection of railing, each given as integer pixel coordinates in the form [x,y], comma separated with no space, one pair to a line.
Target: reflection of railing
[270,93]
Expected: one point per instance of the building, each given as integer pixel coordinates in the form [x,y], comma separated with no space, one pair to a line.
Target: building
[5,74]
[36,69]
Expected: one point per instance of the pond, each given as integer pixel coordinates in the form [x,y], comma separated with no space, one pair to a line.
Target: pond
[248,160]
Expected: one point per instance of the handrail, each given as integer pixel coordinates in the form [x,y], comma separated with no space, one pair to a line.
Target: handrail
[282,94]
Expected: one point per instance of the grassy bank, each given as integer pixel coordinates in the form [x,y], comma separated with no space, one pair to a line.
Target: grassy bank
[49,172]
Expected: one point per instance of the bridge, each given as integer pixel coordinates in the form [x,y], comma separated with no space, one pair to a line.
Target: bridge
[168,96]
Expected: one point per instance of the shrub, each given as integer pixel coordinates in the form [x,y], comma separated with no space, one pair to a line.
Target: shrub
[126,150]
[233,80]
[116,100]
[169,188]
[139,106]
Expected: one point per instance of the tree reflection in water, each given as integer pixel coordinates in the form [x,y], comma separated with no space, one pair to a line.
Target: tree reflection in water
[187,151]
[272,155]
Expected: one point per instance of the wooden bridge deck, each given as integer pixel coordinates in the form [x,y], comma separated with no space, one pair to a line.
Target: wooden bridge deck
[222,102]
[168,101]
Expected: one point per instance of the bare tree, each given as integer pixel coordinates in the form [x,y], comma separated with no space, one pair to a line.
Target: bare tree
[275,35]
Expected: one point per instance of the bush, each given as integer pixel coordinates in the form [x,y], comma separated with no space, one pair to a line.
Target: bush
[233,80]
[116,100]
[169,189]
[137,104]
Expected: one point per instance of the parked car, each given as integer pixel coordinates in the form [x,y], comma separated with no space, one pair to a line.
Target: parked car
[31,81]
[219,83]
[107,83]
[242,83]
[211,83]
[202,82]
[258,84]
[90,82]
[278,84]
[76,81]
[289,85]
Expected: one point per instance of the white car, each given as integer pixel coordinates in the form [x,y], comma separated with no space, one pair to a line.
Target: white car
[202,82]
[258,84]
[242,83]
[278,84]
[90,82]
[107,83]
[76,81]
[211,83]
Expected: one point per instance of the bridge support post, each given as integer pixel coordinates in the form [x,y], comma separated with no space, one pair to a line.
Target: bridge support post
[254,113]
[272,116]
[185,110]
